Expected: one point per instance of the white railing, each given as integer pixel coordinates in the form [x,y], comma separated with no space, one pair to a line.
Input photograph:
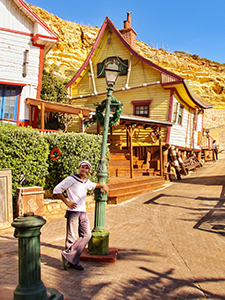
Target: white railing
[46,131]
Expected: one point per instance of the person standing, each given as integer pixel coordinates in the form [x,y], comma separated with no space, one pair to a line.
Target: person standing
[215,146]
[78,231]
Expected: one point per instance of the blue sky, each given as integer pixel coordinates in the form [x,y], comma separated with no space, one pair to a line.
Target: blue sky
[193,26]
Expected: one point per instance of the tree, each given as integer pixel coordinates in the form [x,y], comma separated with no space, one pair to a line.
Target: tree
[53,89]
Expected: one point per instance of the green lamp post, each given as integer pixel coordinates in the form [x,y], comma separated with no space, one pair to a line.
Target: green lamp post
[99,243]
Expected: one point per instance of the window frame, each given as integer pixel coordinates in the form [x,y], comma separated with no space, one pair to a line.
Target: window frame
[141,103]
[180,116]
[4,97]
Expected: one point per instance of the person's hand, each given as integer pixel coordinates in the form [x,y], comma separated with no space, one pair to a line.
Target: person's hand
[105,189]
[71,204]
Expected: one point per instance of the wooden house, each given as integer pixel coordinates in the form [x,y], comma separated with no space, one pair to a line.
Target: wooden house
[25,39]
[158,106]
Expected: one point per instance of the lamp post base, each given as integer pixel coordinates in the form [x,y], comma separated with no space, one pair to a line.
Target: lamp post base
[36,292]
[99,243]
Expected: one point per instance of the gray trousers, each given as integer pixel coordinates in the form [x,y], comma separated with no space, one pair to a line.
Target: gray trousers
[77,236]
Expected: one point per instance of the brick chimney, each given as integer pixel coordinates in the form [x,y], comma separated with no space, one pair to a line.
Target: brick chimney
[128,33]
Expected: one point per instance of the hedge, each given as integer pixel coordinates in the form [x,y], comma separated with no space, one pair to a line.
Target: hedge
[73,147]
[25,152]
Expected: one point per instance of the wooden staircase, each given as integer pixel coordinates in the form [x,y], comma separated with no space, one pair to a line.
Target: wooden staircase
[121,186]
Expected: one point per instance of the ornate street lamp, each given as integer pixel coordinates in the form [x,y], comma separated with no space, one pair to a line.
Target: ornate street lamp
[99,243]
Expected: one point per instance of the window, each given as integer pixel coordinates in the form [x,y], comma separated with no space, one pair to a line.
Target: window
[141,108]
[180,115]
[8,102]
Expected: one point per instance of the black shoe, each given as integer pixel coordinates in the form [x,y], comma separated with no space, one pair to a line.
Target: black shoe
[65,263]
[77,267]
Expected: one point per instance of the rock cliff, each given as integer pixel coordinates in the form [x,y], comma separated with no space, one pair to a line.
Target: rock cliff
[205,78]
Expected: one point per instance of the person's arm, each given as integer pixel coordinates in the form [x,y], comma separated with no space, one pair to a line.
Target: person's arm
[104,187]
[69,203]
[64,185]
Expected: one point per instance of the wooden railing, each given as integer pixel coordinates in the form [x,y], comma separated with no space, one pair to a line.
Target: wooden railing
[207,142]
[46,131]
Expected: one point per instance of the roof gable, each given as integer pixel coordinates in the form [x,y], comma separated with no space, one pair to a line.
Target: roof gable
[17,17]
[107,21]
[169,79]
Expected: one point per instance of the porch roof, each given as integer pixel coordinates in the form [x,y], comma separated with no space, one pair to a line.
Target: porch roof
[130,119]
[59,107]
[143,120]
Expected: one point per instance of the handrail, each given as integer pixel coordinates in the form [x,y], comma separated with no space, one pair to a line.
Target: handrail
[207,142]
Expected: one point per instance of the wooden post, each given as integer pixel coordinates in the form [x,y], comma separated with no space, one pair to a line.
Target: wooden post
[98,128]
[130,132]
[42,116]
[80,115]
[161,158]
[31,116]
[131,157]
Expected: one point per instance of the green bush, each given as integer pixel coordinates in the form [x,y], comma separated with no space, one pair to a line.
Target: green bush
[25,152]
[74,147]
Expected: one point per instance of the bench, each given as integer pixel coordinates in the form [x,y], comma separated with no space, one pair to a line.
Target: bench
[191,163]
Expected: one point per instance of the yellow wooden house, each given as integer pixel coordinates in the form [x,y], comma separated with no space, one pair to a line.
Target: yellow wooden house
[158,105]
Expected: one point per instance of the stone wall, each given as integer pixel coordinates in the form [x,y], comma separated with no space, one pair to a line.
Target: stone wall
[55,208]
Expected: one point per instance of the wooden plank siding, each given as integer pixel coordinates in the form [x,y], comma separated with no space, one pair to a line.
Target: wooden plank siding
[182,135]
[14,19]
[14,45]
[24,40]
[140,73]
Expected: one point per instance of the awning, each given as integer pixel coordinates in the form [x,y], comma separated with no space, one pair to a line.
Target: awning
[59,107]
[141,120]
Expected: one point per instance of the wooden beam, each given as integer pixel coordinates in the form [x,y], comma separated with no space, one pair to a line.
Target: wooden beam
[130,132]
[119,90]
[161,157]
[42,116]
[59,107]
[92,77]
[31,115]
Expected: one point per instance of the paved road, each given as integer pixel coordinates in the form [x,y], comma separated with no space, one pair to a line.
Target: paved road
[171,246]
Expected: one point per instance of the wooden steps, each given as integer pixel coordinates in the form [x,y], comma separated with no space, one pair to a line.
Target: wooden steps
[124,171]
[121,186]
[122,189]
[120,165]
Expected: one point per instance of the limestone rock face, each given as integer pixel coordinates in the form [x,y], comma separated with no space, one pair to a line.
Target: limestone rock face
[75,42]
[205,78]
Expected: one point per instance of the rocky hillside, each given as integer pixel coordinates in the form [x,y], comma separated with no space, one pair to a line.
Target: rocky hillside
[206,78]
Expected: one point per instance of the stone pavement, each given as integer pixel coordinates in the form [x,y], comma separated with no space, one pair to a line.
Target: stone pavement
[171,245]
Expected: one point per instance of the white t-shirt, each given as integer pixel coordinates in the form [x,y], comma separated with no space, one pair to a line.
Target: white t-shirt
[76,190]
[215,145]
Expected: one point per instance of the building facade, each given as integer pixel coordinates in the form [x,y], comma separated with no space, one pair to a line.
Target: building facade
[25,39]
